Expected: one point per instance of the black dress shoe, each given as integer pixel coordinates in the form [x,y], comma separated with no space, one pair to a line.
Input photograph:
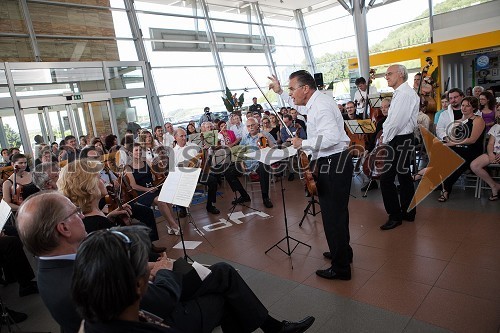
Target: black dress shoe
[297,327]
[328,255]
[213,210]
[390,225]
[373,186]
[28,289]
[268,203]
[332,275]
[16,317]
[242,199]
[158,249]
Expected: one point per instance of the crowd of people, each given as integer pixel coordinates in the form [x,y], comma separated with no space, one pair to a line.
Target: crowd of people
[86,206]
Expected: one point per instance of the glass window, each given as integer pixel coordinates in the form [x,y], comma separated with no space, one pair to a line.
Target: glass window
[289,56]
[121,24]
[126,50]
[9,135]
[408,25]
[125,77]
[324,15]
[442,6]
[183,80]
[4,89]
[131,112]
[182,7]
[284,36]
[231,58]
[190,106]
[238,78]
[331,30]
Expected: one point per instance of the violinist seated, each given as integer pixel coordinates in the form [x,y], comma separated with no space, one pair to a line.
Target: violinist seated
[372,142]
[297,131]
[252,139]
[19,185]
[186,152]
[142,213]
[139,179]
[360,96]
[297,118]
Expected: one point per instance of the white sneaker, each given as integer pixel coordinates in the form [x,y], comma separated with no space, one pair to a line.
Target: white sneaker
[172,231]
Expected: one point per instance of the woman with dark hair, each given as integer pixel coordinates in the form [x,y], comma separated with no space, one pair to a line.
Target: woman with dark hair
[141,179]
[110,141]
[226,137]
[466,140]
[24,183]
[110,277]
[487,106]
[97,143]
[190,129]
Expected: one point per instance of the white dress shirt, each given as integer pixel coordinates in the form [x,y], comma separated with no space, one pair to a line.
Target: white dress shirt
[185,153]
[239,130]
[325,126]
[168,140]
[402,114]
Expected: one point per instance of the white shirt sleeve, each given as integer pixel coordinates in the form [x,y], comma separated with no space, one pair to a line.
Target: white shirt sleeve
[402,114]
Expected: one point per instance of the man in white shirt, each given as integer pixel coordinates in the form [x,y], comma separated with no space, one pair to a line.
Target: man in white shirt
[185,151]
[168,135]
[452,113]
[237,127]
[399,139]
[361,94]
[328,143]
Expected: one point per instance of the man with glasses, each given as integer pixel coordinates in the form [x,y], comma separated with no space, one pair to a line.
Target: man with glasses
[398,136]
[51,227]
[328,143]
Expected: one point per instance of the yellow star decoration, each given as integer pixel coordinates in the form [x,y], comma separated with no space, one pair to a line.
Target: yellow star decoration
[443,161]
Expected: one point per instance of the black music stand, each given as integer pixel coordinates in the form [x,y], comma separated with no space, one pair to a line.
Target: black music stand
[287,237]
[310,209]
[6,319]
[186,257]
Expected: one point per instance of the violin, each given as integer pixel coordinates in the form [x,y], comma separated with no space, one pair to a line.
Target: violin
[426,92]
[125,193]
[16,190]
[262,142]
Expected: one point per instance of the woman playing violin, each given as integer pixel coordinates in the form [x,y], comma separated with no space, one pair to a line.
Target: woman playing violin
[147,143]
[140,179]
[80,182]
[108,178]
[24,186]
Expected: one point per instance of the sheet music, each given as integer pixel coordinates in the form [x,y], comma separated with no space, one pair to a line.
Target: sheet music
[269,156]
[202,271]
[353,126]
[179,186]
[5,212]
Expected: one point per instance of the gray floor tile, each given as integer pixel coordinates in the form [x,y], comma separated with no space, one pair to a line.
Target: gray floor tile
[417,326]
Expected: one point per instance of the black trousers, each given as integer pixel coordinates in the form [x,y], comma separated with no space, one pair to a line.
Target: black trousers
[211,182]
[334,186]
[399,158]
[146,216]
[469,154]
[231,175]
[223,299]
[14,262]
[264,179]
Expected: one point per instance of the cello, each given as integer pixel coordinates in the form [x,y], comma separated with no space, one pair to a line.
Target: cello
[425,90]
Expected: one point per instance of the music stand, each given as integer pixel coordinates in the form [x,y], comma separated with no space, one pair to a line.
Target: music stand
[310,209]
[178,189]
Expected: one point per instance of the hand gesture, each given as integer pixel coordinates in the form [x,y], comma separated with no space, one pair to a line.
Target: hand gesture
[275,84]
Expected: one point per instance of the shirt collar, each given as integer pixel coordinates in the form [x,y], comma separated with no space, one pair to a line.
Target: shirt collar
[70,256]
[312,99]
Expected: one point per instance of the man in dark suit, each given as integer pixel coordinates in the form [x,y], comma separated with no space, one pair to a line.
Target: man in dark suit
[222,298]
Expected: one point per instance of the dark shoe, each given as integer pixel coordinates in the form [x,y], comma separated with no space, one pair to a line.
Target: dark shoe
[330,274]
[182,212]
[28,289]
[158,249]
[328,255]
[213,210]
[390,225]
[241,199]
[16,317]
[291,177]
[298,326]
[409,218]
[373,186]
[268,203]
[493,197]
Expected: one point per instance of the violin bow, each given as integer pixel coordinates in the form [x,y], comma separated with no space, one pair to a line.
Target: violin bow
[272,108]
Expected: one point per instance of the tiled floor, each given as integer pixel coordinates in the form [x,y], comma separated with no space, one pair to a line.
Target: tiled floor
[440,273]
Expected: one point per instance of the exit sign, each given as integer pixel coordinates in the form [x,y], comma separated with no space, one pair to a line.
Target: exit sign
[77,97]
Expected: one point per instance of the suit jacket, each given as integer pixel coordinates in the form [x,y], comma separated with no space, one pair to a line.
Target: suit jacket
[162,299]
[54,284]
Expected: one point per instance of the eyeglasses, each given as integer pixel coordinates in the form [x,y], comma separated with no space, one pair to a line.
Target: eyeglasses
[125,240]
[388,74]
[292,89]
[77,211]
